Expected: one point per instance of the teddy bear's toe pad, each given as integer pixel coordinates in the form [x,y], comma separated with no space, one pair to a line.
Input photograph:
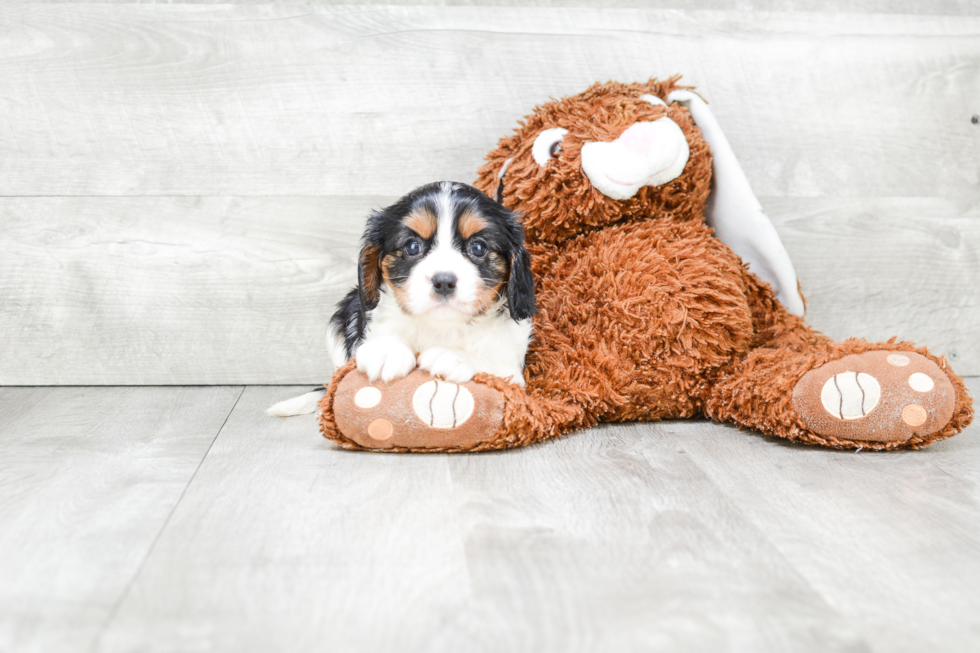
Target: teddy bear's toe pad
[877,396]
[416,412]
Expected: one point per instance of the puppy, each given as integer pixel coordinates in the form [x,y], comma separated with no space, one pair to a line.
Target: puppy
[443,275]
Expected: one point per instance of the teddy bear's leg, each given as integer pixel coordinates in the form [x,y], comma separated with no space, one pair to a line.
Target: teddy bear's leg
[423,413]
[845,395]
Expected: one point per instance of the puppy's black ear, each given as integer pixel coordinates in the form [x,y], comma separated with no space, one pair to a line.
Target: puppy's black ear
[369,276]
[520,286]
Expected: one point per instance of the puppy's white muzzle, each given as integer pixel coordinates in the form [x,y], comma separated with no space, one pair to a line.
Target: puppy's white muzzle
[646,154]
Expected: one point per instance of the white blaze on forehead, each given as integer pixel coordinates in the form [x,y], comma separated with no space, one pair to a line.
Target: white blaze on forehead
[444,257]
[444,233]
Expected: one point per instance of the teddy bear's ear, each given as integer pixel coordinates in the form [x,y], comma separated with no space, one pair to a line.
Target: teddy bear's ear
[735,214]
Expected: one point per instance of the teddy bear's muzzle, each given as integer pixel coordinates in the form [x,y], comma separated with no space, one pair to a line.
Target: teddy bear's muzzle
[647,154]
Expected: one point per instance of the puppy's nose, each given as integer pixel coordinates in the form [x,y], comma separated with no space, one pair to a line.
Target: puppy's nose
[444,283]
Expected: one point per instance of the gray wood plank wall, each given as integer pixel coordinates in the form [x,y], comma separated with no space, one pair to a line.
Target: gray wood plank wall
[182,186]
[913,7]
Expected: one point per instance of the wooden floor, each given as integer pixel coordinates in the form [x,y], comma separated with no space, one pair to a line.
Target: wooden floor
[184,519]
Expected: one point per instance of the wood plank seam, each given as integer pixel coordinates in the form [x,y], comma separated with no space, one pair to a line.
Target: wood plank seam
[163,527]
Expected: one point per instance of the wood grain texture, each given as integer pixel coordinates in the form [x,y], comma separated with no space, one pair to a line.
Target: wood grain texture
[286,100]
[914,7]
[617,541]
[661,537]
[88,477]
[214,164]
[608,541]
[284,543]
[890,540]
[884,267]
[174,290]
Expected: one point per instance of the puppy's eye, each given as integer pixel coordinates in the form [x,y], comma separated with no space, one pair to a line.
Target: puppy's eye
[412,248]
[547,145]
[478,249]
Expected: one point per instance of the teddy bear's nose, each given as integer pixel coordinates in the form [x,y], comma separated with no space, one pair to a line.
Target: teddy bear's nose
[639,138]
[647,154]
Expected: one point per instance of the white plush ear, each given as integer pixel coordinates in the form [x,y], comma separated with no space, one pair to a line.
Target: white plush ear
[735,214]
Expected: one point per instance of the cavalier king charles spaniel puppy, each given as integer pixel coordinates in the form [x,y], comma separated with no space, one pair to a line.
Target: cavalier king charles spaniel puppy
[443,283]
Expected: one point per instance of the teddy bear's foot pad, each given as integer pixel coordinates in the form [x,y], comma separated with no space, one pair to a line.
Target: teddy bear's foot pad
[416,412]
[877,396]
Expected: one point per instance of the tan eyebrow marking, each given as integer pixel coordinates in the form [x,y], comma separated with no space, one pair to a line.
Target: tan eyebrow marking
[488,295]
[470,223]
[423,222]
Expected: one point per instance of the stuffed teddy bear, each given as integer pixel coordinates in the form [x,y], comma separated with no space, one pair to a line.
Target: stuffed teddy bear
[663,292]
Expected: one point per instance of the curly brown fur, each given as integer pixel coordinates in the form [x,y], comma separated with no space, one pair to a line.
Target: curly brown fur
[564,202]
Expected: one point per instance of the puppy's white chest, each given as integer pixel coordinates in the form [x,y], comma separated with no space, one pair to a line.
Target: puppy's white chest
[495,341]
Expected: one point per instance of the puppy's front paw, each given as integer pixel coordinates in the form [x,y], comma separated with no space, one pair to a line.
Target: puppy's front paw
[385,358]
[447,363]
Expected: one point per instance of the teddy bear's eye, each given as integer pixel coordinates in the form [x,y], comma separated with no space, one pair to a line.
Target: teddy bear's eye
[547,145]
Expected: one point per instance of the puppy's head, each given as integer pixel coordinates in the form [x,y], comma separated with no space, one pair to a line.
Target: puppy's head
[448,251]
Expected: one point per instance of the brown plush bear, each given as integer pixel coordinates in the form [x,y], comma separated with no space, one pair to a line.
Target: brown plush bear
[645,312]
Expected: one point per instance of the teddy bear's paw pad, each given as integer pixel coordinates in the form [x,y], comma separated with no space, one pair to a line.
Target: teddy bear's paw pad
[443,405]
[416,412]
[877,396]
